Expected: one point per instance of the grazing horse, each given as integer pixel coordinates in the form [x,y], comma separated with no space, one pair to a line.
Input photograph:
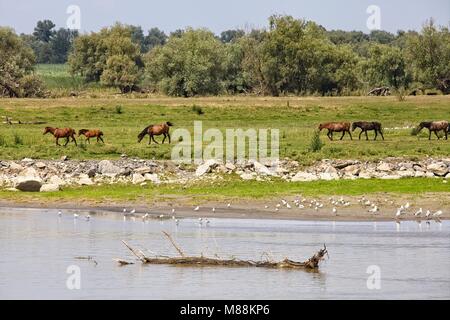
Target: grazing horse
[368,126]
[336,127]
[61,133]
[156,130]
[91,134]
[435,126]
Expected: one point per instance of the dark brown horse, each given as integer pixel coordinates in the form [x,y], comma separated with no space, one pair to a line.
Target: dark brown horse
[156,130]
[343,127]
[368,126]
[91,134]
[435,126]
[62,133]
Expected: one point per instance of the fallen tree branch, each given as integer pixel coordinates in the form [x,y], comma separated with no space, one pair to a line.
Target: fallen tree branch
[311,264]
[174,244]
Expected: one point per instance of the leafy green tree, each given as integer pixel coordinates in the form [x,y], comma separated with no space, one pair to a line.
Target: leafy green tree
[61,43]
[155,37]
[386,65]
[429,55]
[16,66]
[189,64]
[44,30]
[231,35]
[91,52]
[121,72]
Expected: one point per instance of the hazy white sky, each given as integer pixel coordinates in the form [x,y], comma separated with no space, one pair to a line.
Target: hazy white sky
[169,15]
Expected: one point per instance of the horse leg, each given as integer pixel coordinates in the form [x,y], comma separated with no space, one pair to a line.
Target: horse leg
[429,136]
[367,136]
[67,141]
[74,140]
[360,134]
[343,134]
[153,138]
[376,134]
[88,140]
[350,134]
[330,135]
[168,134]
[435,132]
[101,139]
[149,139]
[57,142]
[382,136]
[164,138]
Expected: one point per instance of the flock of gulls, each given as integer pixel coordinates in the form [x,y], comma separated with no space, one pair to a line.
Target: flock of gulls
[299,203]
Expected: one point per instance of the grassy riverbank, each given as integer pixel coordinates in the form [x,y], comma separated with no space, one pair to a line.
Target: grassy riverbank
[122,118]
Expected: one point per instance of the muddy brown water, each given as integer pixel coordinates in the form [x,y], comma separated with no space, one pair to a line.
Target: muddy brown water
[406,261]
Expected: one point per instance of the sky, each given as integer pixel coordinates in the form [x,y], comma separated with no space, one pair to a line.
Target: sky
[218,16]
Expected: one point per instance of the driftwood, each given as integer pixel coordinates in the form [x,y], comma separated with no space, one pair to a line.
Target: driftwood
[381,91]
[9,121]
[311,264]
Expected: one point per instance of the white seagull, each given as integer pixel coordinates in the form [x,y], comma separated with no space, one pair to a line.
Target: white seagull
[418,213]
[196,208]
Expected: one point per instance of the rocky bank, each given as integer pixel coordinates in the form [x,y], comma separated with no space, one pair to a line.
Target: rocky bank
[53,175]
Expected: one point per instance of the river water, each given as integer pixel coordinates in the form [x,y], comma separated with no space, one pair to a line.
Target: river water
[367,260]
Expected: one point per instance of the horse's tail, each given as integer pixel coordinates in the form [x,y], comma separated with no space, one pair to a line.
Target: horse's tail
[170,124]
[143,133]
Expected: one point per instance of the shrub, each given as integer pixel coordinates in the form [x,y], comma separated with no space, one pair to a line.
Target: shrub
[316,144]
[198,110]
[119,109]
[31,86]
[17,139]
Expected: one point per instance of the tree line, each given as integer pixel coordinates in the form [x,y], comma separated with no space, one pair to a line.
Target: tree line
[290,56]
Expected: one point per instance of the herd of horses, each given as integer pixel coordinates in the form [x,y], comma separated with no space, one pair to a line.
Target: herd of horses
[164,128]
[69,133]
[365,126]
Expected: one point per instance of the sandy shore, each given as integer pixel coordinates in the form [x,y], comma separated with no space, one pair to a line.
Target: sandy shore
[263,209]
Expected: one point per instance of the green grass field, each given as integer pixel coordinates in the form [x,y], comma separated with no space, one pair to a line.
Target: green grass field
[233,188]
[122,118]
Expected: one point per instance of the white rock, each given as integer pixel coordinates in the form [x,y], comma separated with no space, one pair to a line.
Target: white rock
[261,169]
[138,178]
[328,176]
[206,167]
[29,172]
[56,180]
[50,187]
[438,168]
[247,176]
[385,166]
[230,166]
[40,165]
[16,167]
[84,180]
[304,176]
[107,168]
[152,177]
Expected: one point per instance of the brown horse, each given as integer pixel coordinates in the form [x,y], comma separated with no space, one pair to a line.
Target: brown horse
[156,130]
[435,126]
[336,127]
[368,126]
[91,134]
[61,133]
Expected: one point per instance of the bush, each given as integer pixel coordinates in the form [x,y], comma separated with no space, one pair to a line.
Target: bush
[17,139]
[31,86]
[119,109]
[198,110]
[316,144]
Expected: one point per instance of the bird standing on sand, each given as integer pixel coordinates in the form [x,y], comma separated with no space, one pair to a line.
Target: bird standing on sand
[418,213]
[213,210]
[196,208]
[228,205]
[334,210]
[437,213]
